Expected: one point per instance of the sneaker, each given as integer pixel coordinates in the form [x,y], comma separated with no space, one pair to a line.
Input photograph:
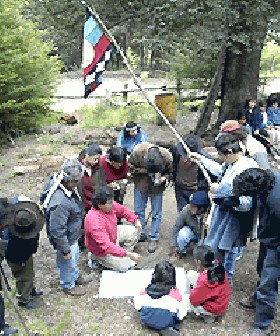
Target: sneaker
[8,330]
[76,291]
[142,238]
[249,302]
[257,331]
[169,332]
[238,257]
[29,305]
[152,246]
[82,280]
[36,293]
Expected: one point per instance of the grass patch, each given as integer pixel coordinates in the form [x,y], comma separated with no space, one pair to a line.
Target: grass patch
[110,116]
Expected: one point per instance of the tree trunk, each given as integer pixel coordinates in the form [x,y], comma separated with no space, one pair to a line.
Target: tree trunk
[209,106]
[240,81]
[242,60]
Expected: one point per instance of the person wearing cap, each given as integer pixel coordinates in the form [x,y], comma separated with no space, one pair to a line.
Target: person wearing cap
[25,221]
[64,221]
[130,136]
[186,174]
[189,226]
[151,168]
[254,148]
[5,328]
[94,177]
[115,166]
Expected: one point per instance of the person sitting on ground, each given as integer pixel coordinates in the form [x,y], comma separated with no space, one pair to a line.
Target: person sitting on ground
[160,304]
[130,136]
[103,235]
[251,116]
[151,168]
[186,174]
[94,177]
[273,123]
[25,223]
[209,289]
[115,166]
[189,226]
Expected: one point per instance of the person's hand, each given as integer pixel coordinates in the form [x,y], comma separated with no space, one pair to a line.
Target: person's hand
[67,256]
[174,251]
[133,256]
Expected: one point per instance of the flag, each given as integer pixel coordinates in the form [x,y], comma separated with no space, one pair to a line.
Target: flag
[97,52]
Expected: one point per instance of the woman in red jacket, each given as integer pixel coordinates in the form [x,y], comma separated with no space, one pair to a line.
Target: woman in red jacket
[210,289]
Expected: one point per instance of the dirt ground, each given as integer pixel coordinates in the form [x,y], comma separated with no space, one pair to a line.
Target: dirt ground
[89,315]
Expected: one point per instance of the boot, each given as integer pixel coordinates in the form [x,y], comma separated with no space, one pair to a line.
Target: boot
[249,302]
[76,291]
[29,305]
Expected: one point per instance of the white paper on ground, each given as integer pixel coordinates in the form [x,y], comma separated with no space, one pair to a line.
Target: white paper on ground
[116,285]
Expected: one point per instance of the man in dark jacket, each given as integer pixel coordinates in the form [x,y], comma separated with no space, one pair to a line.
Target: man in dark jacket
[25,222]
[186,174]
[63,209]
[265,186]
[189,223]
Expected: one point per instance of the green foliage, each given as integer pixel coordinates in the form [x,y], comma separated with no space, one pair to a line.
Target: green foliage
[111,116]
[270,60]
[27,73]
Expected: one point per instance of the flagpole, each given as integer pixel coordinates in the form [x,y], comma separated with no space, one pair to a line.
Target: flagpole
[138,84]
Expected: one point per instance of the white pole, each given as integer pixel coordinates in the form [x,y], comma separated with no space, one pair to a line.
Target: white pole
[138,84]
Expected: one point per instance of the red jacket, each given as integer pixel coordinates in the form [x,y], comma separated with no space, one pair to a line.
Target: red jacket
[212,297]
[101,230]
[113,174]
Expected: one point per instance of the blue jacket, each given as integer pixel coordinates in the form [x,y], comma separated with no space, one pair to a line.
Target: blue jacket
[254,119]
[130,142]
[64,219]
[273,116]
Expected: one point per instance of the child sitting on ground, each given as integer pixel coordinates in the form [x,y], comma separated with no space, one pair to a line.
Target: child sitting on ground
[209,291]
[160,305]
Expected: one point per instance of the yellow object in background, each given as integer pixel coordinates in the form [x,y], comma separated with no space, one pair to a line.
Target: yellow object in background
[166,102]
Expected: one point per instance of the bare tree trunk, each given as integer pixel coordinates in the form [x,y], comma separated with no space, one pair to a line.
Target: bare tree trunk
[212,96]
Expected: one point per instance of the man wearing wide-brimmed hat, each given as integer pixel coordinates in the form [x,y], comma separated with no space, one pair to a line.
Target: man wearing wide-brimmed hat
[25,221]
[63,209]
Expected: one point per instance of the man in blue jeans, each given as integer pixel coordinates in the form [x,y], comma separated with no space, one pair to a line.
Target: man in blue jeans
[265,186]
[189,223]
[151,167]
[63,209]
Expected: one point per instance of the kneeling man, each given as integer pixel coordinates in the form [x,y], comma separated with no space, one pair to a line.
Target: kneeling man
[189,224]
[103,236]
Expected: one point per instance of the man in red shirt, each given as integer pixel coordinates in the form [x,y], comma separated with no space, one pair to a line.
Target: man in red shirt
[103,235]
[115,166]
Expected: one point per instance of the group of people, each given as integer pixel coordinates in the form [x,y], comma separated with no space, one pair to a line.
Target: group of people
[263,124]
[85,199]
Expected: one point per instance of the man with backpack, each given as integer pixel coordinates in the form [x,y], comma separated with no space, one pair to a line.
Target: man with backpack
[63,209]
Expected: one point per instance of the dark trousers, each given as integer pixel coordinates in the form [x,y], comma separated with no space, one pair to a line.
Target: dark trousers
[182,196]
[267,291]
[24,275]
[2,313]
